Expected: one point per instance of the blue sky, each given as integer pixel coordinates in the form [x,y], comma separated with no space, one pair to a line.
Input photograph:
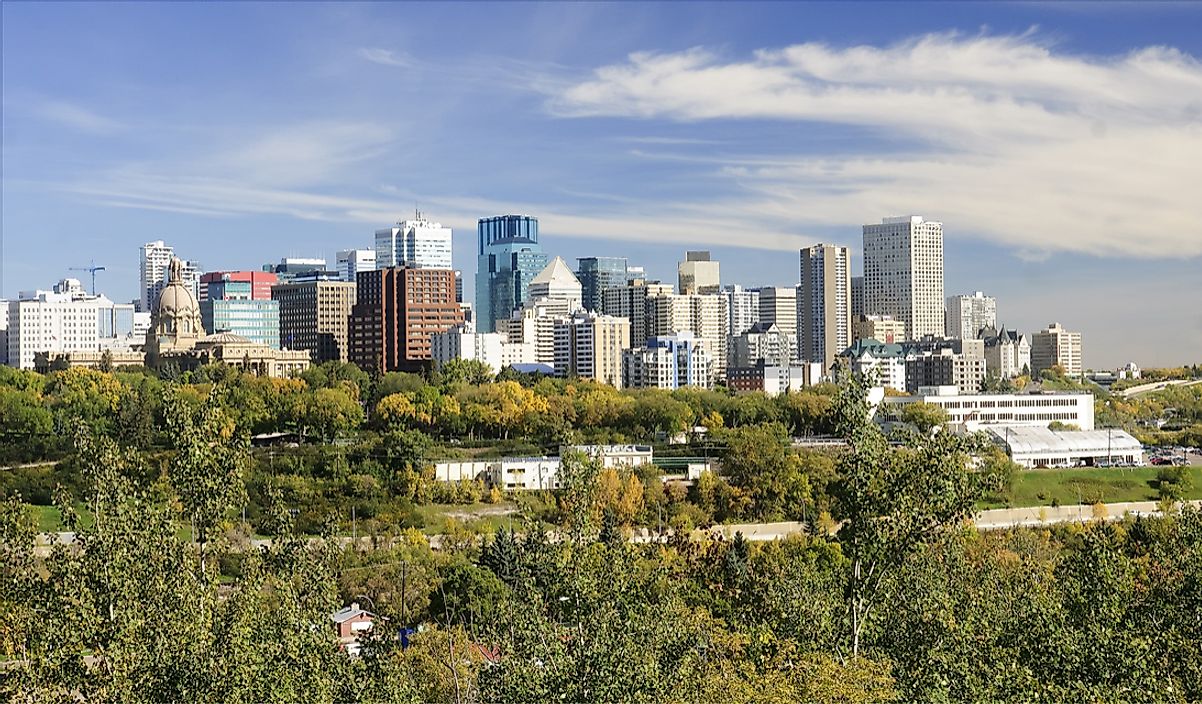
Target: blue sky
[1061,145]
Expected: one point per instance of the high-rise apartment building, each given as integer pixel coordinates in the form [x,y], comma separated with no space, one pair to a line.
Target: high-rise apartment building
[534,325]
[630,302]
[742,308]
[314,316]
[589,346]
[154,259]
[824,303]
[416,243]
[702,315]
[461,343]
[698,273]
[966,315]
[882,328]
[762,345]
[778,306]
[510,256]
[944,367]
[903,273]
[596,274]
[352,261]
[396,311]
[1055,346]
[668,362]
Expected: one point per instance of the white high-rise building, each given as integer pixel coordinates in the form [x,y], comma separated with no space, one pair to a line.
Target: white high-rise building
[556,281]
[668,362]
[967,315]
[534,324]
[353,261]
[778,306]
[703,315]
[1054,347]
[152,268]
[461,343]
[698,273]
[824,304]
[66,319]
[156,256]
[903,273]
[416,243]
[589,346]
[742,308]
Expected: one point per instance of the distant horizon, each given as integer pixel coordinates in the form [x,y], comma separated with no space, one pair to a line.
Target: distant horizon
[1058,145]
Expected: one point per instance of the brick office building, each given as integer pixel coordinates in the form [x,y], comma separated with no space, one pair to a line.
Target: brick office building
[396,311]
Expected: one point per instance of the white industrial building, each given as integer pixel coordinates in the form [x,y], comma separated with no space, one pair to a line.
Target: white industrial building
[1039,447]
[1037,409]
[537,473]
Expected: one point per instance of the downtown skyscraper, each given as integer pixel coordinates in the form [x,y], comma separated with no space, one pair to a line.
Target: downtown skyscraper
[903,273]
[416,243]
[509,257]
[824,303]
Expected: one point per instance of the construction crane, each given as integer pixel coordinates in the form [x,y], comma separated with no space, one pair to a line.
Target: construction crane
[92,269]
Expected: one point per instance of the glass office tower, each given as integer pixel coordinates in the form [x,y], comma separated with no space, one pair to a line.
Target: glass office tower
[597,274]
[509,257]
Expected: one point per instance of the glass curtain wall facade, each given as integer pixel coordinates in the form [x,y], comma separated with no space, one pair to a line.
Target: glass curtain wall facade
[509,257]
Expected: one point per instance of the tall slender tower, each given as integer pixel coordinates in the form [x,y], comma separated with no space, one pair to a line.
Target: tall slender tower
[903,273]
[824,303]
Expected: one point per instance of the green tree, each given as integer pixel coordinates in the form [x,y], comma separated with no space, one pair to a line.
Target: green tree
[207,468]
[923,416]
[331,412]
[893,501]
[759,460]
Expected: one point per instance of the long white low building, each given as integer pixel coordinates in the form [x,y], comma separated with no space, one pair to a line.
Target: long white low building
[1039,447]
[537,473]
[971,411]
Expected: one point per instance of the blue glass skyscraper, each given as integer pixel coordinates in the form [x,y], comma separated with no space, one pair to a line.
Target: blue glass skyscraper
[597,274]
[509,257]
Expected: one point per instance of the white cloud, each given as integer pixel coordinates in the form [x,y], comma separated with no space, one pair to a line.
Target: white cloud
[385,57]
[1003,136]
[78,117]
[298,154]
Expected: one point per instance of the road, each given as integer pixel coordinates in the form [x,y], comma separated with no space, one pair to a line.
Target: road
[1156,386]
[993,519]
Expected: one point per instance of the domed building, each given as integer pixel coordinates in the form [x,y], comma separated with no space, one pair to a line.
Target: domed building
[177,335]
[175,326]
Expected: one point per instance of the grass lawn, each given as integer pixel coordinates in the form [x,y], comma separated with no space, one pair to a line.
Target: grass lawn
[1042,487]
[51,521]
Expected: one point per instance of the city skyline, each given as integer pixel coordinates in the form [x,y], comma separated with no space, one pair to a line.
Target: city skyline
[108,147]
